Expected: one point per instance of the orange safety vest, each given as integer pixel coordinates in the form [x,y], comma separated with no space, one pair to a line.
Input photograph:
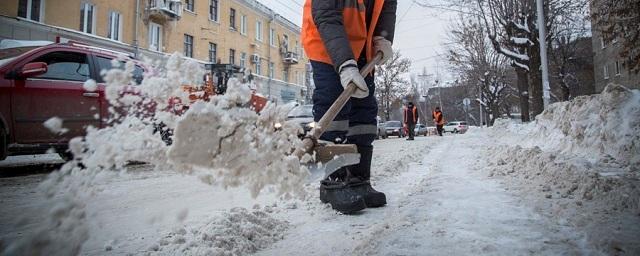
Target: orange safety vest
[406,114]
[355,25]
[438,117]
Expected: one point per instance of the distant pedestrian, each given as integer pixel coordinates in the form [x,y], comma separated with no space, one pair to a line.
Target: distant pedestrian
[410,119]
[438,119]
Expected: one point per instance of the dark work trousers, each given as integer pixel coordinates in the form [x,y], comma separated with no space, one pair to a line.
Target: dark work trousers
[411,127]
[440,129]
[356,122]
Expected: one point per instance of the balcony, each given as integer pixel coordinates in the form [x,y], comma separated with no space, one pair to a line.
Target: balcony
[161,11]
[290,58]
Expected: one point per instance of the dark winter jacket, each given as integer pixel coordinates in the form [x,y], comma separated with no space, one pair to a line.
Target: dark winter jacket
[327,15]
[410,114]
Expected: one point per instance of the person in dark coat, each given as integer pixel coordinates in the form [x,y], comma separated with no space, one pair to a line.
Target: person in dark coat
[410,119]
[340,37]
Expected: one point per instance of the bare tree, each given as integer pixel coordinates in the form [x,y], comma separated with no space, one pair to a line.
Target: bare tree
[391,85]
[471,54]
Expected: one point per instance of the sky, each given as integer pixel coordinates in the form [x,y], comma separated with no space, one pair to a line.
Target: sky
[420,33]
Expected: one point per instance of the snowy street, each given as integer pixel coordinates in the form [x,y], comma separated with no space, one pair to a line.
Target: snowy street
[441,201]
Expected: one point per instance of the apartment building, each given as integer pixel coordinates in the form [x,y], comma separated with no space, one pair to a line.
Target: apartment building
[607,64]
[243,33]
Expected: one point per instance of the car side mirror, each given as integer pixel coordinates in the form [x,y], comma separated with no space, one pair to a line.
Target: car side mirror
[33,69]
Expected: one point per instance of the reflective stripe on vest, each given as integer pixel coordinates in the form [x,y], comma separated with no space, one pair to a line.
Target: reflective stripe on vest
[355,25]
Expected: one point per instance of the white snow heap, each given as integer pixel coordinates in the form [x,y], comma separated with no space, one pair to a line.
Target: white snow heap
[232,145]
[238,232]
[587,148]
[603,125]
[54,125]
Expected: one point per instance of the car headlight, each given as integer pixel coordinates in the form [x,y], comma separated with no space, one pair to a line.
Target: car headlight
[277,125]
[396,130]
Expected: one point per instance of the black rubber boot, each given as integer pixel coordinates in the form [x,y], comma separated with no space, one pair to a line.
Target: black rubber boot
[343,196]
[362,171]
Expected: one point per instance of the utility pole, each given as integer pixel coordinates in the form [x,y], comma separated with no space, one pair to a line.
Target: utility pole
[543,53]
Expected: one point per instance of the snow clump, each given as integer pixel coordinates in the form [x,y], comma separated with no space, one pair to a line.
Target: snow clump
[54,125]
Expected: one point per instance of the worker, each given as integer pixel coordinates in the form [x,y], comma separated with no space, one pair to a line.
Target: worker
[340,37]
[410,119]
[438,119]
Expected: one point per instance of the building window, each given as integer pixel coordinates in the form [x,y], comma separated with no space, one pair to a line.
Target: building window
[232,56]
[115,26]
[259,30]
[258,67]
[155,37]
[272,37]
[213,52]
[213,10]
[188,5]
[188,46]
[271,69]
[285,42]
[243,59]
[606,72]
[87,18]
[31,9]
[617,68]
[243,24]
[232,18]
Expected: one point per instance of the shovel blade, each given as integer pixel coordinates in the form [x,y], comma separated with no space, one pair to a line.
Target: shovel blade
[321,171]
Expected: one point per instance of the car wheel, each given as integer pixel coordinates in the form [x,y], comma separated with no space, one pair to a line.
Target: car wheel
[455,131]
[3,144]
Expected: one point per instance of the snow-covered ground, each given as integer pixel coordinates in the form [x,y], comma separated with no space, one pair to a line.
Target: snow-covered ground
[442,201]
[567,183]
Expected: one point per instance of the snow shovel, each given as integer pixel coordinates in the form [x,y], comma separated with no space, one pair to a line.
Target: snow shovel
[331,157]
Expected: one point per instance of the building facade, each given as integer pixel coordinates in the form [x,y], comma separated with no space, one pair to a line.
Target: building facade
[607,64]
[244,33]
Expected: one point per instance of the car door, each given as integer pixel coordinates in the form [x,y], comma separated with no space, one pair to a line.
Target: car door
[57,93]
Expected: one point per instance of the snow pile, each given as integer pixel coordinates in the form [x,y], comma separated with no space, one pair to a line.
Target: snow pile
[231,145]
[588,148]
[238,232]
[54,125]
[600,127]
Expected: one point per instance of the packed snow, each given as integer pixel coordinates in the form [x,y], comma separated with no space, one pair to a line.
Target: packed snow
[565,184]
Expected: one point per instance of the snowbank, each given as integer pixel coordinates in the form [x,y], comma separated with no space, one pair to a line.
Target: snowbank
[599,127]
[583,159]
[237,232]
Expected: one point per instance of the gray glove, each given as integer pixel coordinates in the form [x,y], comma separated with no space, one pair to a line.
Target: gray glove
[381,44]
[349,73]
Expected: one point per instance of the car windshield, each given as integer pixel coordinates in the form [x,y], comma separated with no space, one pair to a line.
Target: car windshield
[6,55]
[393,124]
[301,111]
[463,123]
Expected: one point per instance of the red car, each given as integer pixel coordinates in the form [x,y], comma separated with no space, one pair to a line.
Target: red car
[40,82]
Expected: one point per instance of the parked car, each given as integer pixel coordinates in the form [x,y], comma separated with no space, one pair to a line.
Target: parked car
[40,82]
[456,127]
[382,131]
[394,128]
[420,129]
[303,115]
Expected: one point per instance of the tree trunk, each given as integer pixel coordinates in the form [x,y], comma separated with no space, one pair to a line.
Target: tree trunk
[523,93]
[535,80]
